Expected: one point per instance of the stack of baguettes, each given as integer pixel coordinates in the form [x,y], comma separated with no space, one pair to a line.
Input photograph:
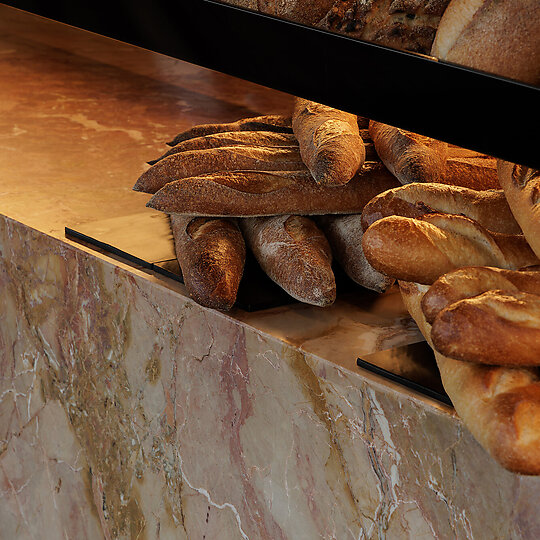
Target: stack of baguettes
[292,189]
[467,262]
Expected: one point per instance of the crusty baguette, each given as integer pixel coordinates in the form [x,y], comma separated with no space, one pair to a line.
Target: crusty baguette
[211,253]
[497,36]
[499,405]
[226,158]
[468,282]
[496,327]
[231,138]
[295,254]
[521,187]
[423,249]
[411,157]
[329,139]
[264,193]
[475,172]
[344,233]
[280,124]
[489,208]
[408,156]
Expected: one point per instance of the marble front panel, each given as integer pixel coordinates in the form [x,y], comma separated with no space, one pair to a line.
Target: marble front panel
[128,411]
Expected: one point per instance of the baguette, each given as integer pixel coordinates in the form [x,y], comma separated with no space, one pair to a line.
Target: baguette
[497,36]
[499,405]
[408,156]
[521,187]
[344,234]
[231,138]
[489,208]
[330,143]
[475,172]
[226,158]
[264,193]
[279,124]
[295,254]
[211,254]
[423,249]
[496,327]
[471,281]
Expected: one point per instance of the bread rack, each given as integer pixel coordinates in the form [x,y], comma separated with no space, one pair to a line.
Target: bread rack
[469,108]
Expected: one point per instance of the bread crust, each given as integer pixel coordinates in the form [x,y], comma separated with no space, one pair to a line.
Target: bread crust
[468,282]
[499,405]
[329,140]
[231,138]
[277,123]
[226,158]
[423,249]
[521,187]
[211,253]
[307,275]
[489,208]
[344,233]
[408,156]
[263,193]
[497,36]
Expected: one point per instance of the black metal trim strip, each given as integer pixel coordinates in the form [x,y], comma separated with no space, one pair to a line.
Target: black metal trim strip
[469,108]
[421,389]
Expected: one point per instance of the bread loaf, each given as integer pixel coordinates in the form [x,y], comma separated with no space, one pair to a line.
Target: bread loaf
[226,158]
[232,138]
[295,254]
[211,254]
[264,193]
[408,156]
[279,124]
[499,405]
[521,187]
[423,249]
[329,140]
[411,157]
[468,282]
[497,36]
[344,233]
[489,208]
[497,327]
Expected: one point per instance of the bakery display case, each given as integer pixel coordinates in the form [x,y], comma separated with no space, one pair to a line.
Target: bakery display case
[129,410]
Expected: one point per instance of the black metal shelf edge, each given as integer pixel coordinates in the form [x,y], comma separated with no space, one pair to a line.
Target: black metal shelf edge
[472,109]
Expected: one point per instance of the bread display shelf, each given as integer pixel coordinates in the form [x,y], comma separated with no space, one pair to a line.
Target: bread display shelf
[346,73]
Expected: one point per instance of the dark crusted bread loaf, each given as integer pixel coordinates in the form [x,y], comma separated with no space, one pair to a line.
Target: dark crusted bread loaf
[211,253]
[266,193]
[295,254]
[329,140]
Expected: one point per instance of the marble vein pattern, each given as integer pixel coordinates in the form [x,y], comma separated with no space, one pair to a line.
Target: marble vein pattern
[128,411]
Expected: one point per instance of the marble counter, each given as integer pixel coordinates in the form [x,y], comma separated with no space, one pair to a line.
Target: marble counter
[129,411]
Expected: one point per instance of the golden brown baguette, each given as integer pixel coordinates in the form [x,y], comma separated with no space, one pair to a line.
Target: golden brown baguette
[489,208]
[499,405]
[497,327]
[295,254]
[264,193]
[344,233]
[211,253]
[226,158]
[498,36]
[474,171]
[423,249]
[468,282]
[521,187]
[231,138]
[277,123]
[329,139]
[408,156]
